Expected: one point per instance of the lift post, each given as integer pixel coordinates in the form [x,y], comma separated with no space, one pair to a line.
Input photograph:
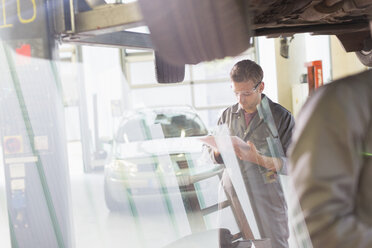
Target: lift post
[32,131]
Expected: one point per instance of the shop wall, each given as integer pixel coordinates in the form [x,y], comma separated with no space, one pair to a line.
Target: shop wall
[343,63]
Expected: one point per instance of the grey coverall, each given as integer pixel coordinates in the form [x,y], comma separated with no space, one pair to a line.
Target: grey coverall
[270,131]
[331,163]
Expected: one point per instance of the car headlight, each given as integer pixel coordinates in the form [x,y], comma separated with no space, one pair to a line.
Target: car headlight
[123,166]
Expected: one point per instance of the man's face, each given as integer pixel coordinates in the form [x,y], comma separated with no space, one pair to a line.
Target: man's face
[248,94]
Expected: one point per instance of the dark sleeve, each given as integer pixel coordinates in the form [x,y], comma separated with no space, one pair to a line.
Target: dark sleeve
[285,129]
[284,123]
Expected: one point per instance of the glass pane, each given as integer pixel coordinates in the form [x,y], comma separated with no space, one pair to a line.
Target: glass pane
[142,73]
[177,95]
[213,94]
[218,69]
[91,156]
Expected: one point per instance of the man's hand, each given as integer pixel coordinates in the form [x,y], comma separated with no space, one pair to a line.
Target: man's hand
[248,154]
[252,155]
[216,153]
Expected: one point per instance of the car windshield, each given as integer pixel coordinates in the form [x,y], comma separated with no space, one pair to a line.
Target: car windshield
[173,124]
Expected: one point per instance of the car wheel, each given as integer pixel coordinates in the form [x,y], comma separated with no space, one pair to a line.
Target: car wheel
[167,73]
[365,57]
[110,202]
[192,31]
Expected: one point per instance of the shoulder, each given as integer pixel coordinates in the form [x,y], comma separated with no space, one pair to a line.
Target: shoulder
[229,110]
[355,87]
[346,101]
[227,114]
[278,110]
[346,97]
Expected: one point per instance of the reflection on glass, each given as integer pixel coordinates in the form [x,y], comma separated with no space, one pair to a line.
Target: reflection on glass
[156,161]
[174,123]
[138,178]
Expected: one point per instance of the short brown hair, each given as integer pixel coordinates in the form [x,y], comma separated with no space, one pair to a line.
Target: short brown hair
[246,70]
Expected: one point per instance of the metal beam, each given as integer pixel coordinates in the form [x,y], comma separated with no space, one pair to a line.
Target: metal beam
[320,29]
[105,18]
[123,39]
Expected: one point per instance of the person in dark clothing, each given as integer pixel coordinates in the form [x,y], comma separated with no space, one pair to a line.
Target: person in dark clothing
[267,128]
[330,162]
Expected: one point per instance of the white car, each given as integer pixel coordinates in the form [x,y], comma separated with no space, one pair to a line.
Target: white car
[155,152]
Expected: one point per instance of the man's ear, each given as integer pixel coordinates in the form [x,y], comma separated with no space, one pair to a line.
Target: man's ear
[262,86]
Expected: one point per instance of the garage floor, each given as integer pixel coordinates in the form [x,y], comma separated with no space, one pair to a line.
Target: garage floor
[96,227]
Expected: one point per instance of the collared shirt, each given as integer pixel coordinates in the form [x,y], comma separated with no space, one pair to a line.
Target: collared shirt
[248,117]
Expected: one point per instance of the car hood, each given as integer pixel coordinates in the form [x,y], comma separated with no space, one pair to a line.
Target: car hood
[158,147]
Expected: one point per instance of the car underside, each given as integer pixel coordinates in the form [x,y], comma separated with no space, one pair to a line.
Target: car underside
[193,31]
[347,19]
[206,36]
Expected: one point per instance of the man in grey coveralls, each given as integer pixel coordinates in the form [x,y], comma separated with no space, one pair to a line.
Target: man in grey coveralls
[266,127]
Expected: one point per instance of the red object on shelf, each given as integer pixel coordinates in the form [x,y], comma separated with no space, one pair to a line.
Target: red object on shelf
[314,74]
[24,50]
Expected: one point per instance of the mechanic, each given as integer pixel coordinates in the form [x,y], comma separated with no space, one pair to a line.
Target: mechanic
[331,163]
[267,128]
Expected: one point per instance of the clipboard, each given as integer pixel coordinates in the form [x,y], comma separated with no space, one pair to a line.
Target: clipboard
[237,142]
